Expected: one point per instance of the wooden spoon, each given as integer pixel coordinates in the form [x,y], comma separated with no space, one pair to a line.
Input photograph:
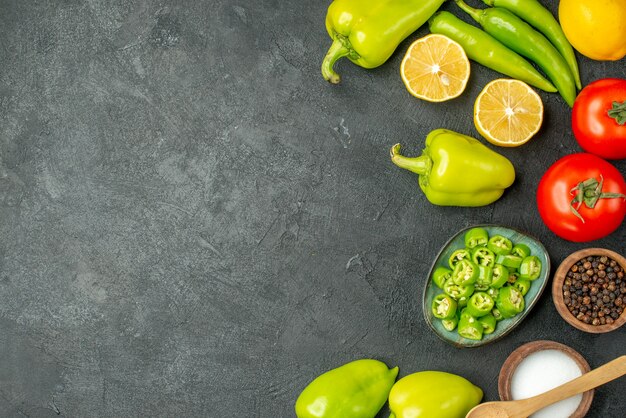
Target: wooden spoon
[524,407]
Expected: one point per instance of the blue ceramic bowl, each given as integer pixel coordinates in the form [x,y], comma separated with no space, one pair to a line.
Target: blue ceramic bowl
[506,325]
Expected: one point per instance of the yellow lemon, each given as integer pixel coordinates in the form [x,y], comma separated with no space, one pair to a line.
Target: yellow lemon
[435,68]
[596,28]
[508,112]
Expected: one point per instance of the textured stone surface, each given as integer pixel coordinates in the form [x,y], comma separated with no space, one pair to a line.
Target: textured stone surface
[194,223]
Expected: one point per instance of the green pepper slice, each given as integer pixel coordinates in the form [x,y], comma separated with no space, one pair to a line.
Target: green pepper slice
[441,275]
[457,292]
[510,261]
[521,250]
[497,314]
[480,304]
[488,322]
[523,285]
[465,273]
[450,324]
[500,276]
[530,268]
[470,328]
[500,245]
[443,306]
[485,276]
[458,255]
[476,237]
[484,257]
[510,301]
[493,292]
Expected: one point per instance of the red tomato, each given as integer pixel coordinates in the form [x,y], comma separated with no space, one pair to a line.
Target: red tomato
[558,187]
[596,131]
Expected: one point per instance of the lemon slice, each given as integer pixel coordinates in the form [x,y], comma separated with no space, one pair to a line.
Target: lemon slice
[435,68]
[508,112]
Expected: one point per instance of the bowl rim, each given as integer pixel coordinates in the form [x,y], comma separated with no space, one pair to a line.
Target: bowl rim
[521,316]
[518,355]
[557,290]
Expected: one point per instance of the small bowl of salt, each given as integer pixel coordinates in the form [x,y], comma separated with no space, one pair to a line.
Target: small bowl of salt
[539,366]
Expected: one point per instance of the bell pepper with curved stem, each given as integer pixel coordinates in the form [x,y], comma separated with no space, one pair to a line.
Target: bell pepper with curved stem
[367,32]
[433,394]
[458,170]
[355,390]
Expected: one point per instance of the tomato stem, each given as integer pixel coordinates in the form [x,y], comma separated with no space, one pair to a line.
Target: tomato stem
[590,192]
[618,112]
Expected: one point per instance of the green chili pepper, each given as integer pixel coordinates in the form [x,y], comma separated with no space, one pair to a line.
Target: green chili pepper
[526,41]
[485,277]
[457,292]
[450,324]
[476,237]
[432,394]
[443,306]
[542,19]
[465,273]
[488,51]
[441,275]
[479,304]
[458,255]
[521,250]
[510,261]
[523,285]
[488,322]
[493,292]
[530,268]
[500,276]
[510,301]
[462,301]
[458,170]
[355,390]
[496,314]
[513,276]
[367,32]
[483,257]
[500,245]
[469,327]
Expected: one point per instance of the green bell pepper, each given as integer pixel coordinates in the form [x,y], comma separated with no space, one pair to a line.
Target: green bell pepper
[476,237]
[433,394]
[510,301]
[367,32]
[358,389]
[441,275]
[458,170]
[443,306]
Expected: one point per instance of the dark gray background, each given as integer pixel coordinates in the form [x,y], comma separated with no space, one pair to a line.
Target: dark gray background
[194,223]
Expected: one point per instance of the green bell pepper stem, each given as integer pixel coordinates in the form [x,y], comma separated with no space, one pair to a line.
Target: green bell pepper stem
[521,250]
[465,273]
[441,275]
[500,276]
[500,245]
[443,307]
[476,237]
[480,304]
[489,323]
[488,51]
[458,170]
[484,257]
[526,41]
[337,50]
[523,285]
[510,261]
[470,328]
[510,301]
[458,255]
[485,277]
[542,19]
[530,268]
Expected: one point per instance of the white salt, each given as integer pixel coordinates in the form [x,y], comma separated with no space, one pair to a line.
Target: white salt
[542,371]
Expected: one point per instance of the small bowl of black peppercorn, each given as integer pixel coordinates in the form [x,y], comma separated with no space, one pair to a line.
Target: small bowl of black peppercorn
[589,290]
